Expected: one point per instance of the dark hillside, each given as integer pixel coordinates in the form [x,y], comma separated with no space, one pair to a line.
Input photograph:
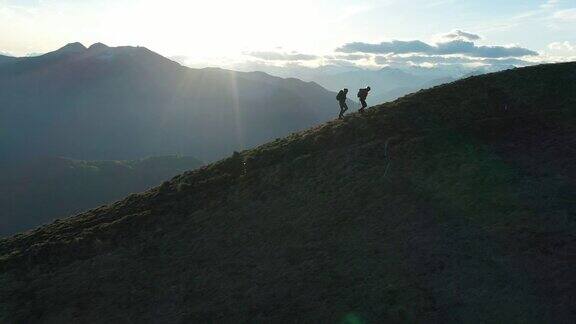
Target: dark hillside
[442,206]
[36,192]
[6,59]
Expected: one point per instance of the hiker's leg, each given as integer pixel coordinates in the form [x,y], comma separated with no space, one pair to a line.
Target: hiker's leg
[364,105]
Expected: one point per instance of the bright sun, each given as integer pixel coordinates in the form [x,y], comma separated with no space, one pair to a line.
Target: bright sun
[213,28]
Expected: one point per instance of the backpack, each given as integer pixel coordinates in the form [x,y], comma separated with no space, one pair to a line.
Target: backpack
[362,93]
[340,95]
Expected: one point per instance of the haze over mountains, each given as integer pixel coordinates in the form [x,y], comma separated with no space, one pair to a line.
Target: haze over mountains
[455,204]
[36,192]
[128,102]
[388,83]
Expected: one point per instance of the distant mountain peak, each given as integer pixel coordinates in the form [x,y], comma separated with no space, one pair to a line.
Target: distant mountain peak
[72,48]
[98,46]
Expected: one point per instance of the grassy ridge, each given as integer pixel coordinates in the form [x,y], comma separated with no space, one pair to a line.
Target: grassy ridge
[440,206]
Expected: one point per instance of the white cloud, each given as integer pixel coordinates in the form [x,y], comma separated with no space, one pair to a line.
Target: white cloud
[559,52]
[455,46]
[460,35]
[550,4]
[562,46]
[446,60]
[438,3]
[277,56]
[338,62]
[351,57]
[567,15]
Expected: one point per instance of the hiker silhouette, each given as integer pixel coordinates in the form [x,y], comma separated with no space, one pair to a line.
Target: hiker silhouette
[362,95]
[341,97]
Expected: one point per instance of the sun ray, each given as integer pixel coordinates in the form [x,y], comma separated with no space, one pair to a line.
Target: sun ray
[236,109]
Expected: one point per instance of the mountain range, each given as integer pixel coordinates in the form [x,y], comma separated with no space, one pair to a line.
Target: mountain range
[453,204]
[76,123]
[128,103]
[388,83]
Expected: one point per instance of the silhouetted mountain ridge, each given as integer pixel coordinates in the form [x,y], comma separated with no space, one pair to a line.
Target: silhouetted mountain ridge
[72,48]
[6,59]
[128,102]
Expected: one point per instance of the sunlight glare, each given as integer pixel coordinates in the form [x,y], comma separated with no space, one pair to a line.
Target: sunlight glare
[213,27]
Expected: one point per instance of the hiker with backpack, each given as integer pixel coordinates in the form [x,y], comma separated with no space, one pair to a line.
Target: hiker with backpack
[362,95]
[341,97]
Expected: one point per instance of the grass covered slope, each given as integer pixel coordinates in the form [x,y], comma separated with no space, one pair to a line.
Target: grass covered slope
[440,206]
[38,191]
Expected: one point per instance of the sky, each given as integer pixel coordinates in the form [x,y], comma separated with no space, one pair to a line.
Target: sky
[313,32]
